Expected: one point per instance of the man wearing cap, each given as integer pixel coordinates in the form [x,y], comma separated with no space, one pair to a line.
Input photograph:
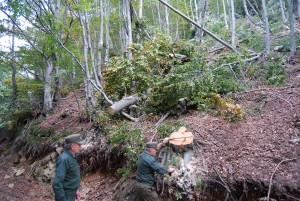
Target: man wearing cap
[146,167]
[67,176]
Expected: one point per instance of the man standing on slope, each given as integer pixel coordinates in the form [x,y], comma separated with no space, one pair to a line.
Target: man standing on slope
[146,167]
[67,176]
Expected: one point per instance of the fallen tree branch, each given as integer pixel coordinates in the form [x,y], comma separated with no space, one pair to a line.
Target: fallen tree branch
[276,168]
[130,117]
[158,123]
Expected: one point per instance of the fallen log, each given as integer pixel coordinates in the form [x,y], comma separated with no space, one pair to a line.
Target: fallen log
[123,103]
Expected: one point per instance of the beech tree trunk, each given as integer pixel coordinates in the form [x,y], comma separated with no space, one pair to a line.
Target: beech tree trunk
[107,38]
[245,8]
[100,43]
[292,28]
[282,11]
[14,71]
[167,23]
[267,37]
[232,24]
[140,9]
[88,86]
[47,86]
[129,27]
[298,8]
[225,15]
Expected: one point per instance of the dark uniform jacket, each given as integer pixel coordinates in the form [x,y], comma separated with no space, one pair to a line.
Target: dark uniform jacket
[67,176]
[146,167]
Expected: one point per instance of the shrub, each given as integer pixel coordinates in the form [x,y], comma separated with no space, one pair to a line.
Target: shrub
[275,72]
[131,142]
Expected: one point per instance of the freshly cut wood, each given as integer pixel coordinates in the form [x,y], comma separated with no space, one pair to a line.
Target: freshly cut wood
[181,138]
[182,129]
[126,101]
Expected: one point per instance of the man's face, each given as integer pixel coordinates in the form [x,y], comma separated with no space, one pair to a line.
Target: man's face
[75,148]
[153,151]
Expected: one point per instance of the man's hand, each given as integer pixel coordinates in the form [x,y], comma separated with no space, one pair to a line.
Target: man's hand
[78,195]
[165,140]
[171,170]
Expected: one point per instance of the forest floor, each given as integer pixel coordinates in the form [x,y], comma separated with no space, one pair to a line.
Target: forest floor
[252,150]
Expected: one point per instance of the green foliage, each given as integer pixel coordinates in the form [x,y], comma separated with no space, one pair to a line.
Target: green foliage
[199,184]
[37,134]
[129,141]
[166,78]
[167,127]
[275,72]
[215,103]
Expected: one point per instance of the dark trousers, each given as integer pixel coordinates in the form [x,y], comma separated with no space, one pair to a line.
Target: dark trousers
[144,192]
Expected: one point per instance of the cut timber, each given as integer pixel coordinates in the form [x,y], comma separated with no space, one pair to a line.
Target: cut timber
[126,101]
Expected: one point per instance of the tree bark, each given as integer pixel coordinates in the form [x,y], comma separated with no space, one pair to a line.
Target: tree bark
[140,9]
[129,27]
[292,28]
[118,106]
[167,23]
[14,71]
[298,8]
[107,38]
[267,37]
[225,15]
[282,11]
[245,8]
[100,43]
[88,87]
[47,86]
[232,24]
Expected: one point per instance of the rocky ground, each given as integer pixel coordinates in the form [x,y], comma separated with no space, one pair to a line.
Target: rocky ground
[260,149]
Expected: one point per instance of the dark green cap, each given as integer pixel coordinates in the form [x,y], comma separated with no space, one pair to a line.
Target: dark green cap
[151,144]
[74,138]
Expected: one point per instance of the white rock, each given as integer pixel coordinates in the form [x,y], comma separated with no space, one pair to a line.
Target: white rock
[20,171]
[11,185]
[6,176]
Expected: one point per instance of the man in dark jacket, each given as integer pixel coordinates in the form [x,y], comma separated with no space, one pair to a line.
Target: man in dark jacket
[146,167]
[67,176]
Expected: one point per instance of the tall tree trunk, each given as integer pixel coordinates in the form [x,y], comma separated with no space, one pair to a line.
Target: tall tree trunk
[107,38]
[122,32]
[245,8]
[201,15]
[129,27]
[225,15]
[292,27]
[218,10]
[232,24]
[88,87]
[159,17]
[54,57]
[192,10]
[167,23]
[140,9]
[14,71]
[267,37]
[298,8]
[100,43]
[47,86]
[282,11]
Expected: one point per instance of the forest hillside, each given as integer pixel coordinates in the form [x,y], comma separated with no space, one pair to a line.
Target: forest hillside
[122,73]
